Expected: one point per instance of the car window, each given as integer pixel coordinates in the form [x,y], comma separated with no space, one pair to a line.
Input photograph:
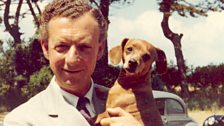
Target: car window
[160,104]
[174,107]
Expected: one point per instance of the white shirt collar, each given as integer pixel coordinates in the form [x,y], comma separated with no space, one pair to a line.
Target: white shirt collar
[72,99]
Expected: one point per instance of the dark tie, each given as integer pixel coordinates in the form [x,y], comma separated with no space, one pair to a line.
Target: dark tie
[81,106]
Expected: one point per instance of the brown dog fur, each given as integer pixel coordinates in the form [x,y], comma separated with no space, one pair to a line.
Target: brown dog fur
[132,90]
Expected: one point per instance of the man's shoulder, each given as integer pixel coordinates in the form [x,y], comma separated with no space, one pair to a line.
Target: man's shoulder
[100,87]
[101,91]
[24,110]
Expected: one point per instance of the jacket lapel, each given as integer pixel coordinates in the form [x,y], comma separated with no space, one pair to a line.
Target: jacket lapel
[99,98]
[59,110]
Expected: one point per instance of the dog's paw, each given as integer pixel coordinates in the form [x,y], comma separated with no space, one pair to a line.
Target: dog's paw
[99,117]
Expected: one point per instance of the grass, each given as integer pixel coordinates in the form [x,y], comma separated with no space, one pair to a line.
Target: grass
[204,102]
[208,98]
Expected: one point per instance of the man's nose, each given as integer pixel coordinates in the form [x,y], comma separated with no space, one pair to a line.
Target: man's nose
[72,56]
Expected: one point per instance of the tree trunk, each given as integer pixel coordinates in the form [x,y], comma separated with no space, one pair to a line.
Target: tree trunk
[176,40]
[13,30]
[104,7]
[102,65]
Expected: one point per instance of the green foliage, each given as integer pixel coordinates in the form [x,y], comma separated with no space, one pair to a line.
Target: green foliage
[211,75]
[3,91]
[172,76]
[17,66]
[106,75]
[182,7]
[38,82]
[213,5]
[7,75]
[29,59]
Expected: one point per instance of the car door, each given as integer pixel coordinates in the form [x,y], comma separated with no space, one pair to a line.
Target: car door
[172,112]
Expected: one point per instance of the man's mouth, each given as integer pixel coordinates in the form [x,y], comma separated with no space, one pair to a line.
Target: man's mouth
[72,71]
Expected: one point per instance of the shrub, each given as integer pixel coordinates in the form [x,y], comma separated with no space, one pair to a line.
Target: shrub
[38,82]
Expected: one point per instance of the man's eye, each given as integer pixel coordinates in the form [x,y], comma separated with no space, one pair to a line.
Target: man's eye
[61,48]
[84,47]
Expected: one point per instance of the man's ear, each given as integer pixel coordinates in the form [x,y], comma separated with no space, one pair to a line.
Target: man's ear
[101,50]
[44,46]
[161,62]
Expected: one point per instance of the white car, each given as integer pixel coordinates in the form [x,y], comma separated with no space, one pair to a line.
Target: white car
[173,110]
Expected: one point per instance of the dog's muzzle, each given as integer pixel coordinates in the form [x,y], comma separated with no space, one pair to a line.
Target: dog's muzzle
[132,65]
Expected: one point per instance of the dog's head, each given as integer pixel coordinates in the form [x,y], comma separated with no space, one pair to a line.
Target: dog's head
[138,56]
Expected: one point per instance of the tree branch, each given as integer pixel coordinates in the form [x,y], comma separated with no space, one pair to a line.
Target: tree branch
[165,26]
[6,15]
[93,1]
[16,22]
[38,8]
[33,13]
[104,7]
[12,29]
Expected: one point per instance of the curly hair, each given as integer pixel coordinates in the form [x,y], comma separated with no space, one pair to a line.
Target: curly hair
[71,9]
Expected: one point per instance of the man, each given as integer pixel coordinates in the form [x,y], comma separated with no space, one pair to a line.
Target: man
[72,37]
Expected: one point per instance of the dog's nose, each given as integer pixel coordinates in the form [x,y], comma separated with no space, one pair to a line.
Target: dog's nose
[132,63]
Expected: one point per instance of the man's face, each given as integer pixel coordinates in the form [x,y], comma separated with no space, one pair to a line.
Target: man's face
[72,49]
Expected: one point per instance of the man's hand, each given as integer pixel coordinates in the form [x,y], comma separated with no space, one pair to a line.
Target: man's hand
[119,117]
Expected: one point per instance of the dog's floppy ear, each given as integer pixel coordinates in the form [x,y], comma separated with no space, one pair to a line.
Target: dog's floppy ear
[115,54]
[161,62]
[123,43]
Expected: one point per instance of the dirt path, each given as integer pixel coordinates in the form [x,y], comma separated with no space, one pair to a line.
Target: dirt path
[2,115]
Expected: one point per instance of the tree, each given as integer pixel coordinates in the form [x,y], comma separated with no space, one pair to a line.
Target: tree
[102,66]
[169,79]
[16,48]
[210,75]
[183,8]
[11,22]
[214,5]
[13,28]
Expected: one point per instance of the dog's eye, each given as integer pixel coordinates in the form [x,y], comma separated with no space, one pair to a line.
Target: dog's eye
[146,57]
[129,49]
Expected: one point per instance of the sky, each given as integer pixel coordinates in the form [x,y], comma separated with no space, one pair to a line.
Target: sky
[202,41]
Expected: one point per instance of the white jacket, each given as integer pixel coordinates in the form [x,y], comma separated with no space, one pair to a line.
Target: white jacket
[48,108]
